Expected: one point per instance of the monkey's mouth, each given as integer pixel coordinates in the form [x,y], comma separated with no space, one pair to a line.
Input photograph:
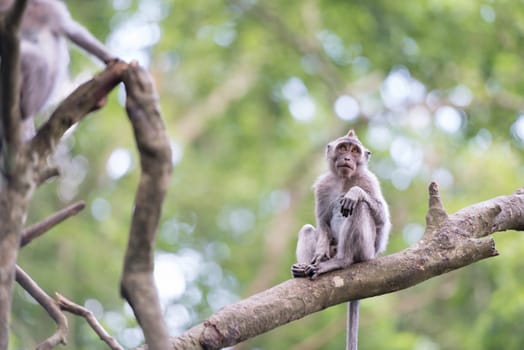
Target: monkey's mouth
[348,166]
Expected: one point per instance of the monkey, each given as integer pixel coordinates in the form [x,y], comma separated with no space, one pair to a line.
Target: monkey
[352,218]
[44,56]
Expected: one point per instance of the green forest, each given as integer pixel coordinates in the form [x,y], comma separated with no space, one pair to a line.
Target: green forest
[250,92]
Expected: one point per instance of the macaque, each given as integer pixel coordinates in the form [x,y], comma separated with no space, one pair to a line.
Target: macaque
[44,56]
[352,219]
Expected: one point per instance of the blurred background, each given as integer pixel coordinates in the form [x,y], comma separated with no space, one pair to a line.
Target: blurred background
[251,91]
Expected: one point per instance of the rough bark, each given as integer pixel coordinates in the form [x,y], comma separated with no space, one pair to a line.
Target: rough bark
[450,242]
[13,189]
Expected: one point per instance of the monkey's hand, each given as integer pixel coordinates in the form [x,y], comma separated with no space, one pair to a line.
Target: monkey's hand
[304,270]
[110,60]
[349,202]
[300,270]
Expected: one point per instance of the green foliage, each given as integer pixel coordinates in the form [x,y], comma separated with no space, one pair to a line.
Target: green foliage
[248,91]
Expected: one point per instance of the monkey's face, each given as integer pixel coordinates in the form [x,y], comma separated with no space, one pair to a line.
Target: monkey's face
[345,155]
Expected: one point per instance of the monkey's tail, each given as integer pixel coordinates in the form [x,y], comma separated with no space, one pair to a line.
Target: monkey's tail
[352,325]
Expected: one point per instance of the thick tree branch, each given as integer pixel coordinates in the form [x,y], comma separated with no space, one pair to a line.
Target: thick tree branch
[10,136]
[13,183]
[456,241]
[137,285]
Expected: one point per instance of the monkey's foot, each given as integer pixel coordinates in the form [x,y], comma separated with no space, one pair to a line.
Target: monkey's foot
[300,270]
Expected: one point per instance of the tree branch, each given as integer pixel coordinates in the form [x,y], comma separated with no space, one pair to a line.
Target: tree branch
[52,307]
[456,241]
[60,336]
[45,225]
[137,285]
[13,192]
[10,136]
[67,305]
[85,99]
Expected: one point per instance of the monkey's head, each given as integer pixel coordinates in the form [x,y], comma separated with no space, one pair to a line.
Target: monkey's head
[346,155]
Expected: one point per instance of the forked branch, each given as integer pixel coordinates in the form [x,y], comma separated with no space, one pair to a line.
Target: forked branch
[67,305]
[60,336]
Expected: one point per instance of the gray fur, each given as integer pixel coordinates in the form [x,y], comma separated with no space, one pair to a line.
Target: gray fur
[44,56]
[352,219]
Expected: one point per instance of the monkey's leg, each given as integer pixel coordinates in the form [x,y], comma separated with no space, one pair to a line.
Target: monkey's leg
[36,85]
[356,242]
[37,81]
[307,240]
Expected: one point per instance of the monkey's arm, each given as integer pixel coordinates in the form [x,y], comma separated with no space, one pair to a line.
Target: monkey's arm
[378,209]
[355,195]
[84,39]
[322,251]
[324,213]
[75,32]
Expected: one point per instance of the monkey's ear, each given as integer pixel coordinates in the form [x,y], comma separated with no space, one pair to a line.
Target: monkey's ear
[352,133]
[329,149]
[367,154]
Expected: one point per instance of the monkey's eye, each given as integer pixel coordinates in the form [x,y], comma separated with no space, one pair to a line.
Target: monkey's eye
[355,150]
[342,148]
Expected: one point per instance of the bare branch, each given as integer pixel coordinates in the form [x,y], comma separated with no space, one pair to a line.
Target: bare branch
[62,303]
[137,285]
[456,242]
[85,99]
[60,336]
[42,227]
[67,305]
[32,287]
